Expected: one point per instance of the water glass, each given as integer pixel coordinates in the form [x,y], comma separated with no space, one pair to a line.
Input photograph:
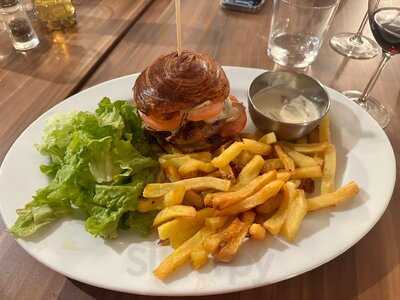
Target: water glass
[298,29]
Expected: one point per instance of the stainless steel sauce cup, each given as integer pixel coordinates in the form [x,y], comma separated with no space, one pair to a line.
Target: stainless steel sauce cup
[307,86]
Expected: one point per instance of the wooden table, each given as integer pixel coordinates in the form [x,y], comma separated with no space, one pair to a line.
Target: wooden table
[114,38]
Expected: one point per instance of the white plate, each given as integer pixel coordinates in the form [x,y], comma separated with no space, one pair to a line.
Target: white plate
[126,264]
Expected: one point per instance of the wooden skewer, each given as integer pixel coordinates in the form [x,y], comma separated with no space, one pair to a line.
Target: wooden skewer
[178,26]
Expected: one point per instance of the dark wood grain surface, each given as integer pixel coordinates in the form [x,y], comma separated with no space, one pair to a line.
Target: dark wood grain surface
[370,270]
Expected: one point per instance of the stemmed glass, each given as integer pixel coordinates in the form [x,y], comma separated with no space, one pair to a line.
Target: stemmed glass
[384,19]
[355,45]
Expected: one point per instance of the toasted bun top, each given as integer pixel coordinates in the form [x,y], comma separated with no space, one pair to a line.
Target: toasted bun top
[174,83]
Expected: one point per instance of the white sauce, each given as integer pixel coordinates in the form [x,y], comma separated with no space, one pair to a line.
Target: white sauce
[285,105]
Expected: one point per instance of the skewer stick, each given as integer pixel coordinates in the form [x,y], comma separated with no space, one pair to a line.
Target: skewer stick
[178,26]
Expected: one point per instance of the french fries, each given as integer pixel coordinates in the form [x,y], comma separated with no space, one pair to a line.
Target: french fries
[274,224]
[174,196]
[182,254]
[271,205]
[154,190]
[269,138]
[247,190]
[228,155]
[257,232]
[273,164]
[236,148]
[288,163]
[181,229]
[324,132]
[193,199]
[172,212]
[329,170]
[172,173]
[307,172]
[300,159]
[307,148]
[198,257]
[340,195]
[223,200]
[146,205]
[296,212]
[268,191]
[193,165]
[251,170]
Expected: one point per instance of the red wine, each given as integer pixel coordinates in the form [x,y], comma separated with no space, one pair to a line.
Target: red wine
[385,25]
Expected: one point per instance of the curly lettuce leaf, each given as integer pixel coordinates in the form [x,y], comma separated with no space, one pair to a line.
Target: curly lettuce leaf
[98,163]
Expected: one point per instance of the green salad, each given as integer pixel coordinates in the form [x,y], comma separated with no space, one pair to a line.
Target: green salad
[98,165]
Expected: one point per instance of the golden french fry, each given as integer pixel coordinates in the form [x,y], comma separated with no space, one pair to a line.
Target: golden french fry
[216,222]
[226,199]
[172,212]
[248,217]
[174,196]
[251,170]
[146,205]
[324,132]
[198,257]
[172,173]
[154,190]
[176,160]
[228,155]
[269,138]
[274,224]
[256,147]
[182,254]
[272,164]
[181,229]
[212,244]
[265,193]
[307,172]
[318,159]
[257,232]
[300,159]
[296,212]
[231,247]
[271,205]
[329,171]
[193,165]
[193,199]
[307,148]
[283,175]
[288,163]
[203,156]
[243,158]
[227,172]
[342,194]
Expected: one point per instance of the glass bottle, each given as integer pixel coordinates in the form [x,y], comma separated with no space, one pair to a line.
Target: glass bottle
[18,25]
[55,14]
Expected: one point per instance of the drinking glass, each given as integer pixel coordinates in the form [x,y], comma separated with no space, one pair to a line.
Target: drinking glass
[384,19]
[355,45]
[298,28]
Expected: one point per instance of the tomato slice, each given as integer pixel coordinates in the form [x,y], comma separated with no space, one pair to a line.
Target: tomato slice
[237,125]
[205,112]
[161,124]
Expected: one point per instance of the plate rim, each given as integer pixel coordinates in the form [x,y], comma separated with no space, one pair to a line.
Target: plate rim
[198,292]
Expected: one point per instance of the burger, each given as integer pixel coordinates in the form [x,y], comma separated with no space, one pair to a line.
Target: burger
[185,100]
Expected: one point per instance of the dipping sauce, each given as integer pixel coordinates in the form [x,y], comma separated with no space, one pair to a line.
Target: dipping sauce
[286,105]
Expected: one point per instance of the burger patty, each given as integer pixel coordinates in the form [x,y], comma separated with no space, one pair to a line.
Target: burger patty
[204,135]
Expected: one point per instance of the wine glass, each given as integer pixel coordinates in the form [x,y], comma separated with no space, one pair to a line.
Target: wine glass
[355,45]
[384,19]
